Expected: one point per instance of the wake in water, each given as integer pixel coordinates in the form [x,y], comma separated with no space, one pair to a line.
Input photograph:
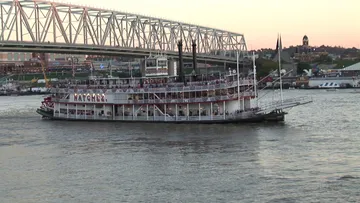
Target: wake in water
[348,177]
[23,106]
[18,112]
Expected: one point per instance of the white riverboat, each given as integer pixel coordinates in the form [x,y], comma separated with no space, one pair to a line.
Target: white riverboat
[161,95]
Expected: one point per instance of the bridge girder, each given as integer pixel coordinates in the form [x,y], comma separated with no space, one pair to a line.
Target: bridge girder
[40,21]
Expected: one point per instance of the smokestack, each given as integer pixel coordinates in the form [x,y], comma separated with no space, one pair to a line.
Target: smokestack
[181,63]
[194,55]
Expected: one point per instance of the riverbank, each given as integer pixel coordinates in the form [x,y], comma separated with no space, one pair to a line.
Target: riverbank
[307,88]
[15,93]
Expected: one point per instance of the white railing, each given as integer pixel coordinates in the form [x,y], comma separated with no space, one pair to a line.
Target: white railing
[156,118]
[164,114]
[176,100]
[286,103]
[151,89]
[191,100]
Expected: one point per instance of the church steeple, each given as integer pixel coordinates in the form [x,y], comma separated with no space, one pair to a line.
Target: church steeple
[278,44]
[305,41]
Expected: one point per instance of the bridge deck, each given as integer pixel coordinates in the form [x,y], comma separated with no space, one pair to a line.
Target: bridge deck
[105,50]
[61,27]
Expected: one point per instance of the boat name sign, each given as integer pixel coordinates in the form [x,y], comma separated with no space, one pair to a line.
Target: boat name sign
[89,98]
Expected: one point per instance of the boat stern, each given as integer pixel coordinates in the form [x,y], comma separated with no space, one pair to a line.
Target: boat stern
[275,116]
[46,114]
[46,109]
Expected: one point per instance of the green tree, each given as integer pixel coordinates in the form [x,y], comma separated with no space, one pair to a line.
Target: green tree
[301,67]
[343,63]
[264,67]
[323,59]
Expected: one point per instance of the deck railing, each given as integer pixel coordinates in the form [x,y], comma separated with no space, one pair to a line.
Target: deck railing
[150,89]
[191,100]
[152,118]
[176,100]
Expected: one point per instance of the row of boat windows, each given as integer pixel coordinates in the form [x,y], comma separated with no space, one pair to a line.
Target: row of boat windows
[96,105]
[331,84]
[152,63]
[142,83]
[143,112]
[192,88]
[156,71]
[82,112]
[161,82]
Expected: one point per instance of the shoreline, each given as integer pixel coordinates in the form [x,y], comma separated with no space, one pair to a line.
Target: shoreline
[307,88]
[24,93]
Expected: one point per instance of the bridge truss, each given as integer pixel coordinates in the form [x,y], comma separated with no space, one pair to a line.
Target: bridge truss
[45,22]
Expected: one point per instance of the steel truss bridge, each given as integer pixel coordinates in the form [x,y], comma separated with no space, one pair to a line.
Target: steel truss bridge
[54,27]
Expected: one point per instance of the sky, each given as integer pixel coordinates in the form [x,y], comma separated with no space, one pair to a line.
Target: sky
[329,22]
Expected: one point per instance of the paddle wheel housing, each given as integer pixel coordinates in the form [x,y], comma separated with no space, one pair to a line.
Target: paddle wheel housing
[47,104]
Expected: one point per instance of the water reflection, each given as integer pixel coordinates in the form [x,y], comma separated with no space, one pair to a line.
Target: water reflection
[188,138]
[312,156]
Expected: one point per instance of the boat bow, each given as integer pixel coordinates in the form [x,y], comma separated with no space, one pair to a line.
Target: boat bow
[285,104]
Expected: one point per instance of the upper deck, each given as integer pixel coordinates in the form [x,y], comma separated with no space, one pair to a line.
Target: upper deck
[150,85]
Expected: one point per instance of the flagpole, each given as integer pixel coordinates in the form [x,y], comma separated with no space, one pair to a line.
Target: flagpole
[279,54]
[238,82]
[255,82]
[110,68]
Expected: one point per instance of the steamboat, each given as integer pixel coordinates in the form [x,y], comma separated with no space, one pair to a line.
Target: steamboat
[164,95]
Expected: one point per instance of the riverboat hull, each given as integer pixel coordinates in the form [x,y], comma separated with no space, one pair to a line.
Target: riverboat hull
[270,117]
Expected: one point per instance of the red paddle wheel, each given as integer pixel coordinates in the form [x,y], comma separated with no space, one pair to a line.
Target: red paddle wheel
[47,103]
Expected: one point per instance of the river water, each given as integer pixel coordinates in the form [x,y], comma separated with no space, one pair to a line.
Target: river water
[313,157]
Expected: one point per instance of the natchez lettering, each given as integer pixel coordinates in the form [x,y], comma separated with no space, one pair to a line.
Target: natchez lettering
[90,98]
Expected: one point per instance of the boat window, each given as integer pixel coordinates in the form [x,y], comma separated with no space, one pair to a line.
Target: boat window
[150,62]
[162,63]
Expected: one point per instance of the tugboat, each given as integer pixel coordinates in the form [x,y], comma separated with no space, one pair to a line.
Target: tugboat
[163,96]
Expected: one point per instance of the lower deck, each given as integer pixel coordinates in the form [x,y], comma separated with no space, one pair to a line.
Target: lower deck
[244,117]
[217,111]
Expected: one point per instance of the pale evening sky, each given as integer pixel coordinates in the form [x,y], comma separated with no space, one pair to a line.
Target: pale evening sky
[330,22]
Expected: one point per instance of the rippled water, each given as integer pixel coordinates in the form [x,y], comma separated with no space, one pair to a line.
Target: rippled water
[313,157]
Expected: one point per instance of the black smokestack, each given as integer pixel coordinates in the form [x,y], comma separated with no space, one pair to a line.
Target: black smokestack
[194,55]
[181,63]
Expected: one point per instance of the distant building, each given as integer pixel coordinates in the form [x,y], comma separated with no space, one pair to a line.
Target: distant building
[354,67]
[305,48]
[26,56]
[305,41]
[306,53]
[333,56]
[13,56]
[25,62]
